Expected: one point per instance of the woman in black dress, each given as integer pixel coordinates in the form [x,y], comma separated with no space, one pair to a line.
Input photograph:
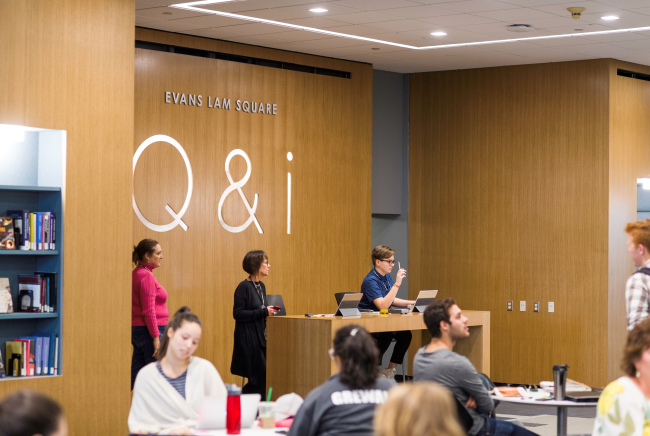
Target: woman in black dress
[250,311]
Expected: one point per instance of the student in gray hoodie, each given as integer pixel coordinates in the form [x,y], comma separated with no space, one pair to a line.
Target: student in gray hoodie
[345,403]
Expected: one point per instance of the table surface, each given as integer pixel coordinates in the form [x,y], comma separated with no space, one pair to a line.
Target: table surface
[245,431]
[551,403]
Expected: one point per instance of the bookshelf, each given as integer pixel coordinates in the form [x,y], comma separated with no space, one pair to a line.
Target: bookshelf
[34,183]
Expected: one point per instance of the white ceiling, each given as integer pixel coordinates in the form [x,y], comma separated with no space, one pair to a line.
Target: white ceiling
[410,22]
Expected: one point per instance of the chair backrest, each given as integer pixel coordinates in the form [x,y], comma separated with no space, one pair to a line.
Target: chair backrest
[464,418]
[339,297]
[276,300]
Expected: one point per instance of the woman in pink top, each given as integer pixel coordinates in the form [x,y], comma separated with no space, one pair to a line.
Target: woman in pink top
[149,314]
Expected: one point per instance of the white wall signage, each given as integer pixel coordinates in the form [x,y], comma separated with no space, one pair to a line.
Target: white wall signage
[250,107]
[237,186]
[190,182]
[233,186]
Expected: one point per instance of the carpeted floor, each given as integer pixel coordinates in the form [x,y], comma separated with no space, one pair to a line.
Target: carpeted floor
[543,420]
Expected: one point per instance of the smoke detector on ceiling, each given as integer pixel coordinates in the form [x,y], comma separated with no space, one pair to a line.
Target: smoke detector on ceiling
[520,28]
[575,12]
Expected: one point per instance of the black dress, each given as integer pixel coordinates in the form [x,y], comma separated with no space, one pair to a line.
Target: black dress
[249,349]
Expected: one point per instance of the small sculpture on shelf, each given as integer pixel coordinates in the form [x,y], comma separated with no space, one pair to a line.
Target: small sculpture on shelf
[6,302]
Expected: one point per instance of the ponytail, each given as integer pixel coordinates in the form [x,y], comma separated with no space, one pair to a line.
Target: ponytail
[359,357]
[146,246]
[183,314]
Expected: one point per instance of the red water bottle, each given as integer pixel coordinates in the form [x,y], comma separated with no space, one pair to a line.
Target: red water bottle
[233,410]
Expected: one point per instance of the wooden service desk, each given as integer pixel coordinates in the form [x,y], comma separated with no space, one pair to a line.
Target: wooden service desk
[296,346]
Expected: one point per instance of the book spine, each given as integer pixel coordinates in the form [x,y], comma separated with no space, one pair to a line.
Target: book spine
[43,307]
[26,226]
[39,231]
[56,356]
[32,235]
[46,354]
[46,230]
[53,230]
[38,355]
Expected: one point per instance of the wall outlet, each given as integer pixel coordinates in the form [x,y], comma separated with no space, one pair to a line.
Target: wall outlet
[536,306]
[522,306]
[551,307]
[509,305]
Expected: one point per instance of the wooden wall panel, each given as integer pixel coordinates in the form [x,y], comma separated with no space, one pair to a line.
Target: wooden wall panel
[508,201]
[629,158]
[324,121]
[68,65]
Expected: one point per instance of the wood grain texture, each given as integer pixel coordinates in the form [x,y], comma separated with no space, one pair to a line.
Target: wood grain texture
[508,201]
[629,159]
[69,65]
[297,346]
[324,121]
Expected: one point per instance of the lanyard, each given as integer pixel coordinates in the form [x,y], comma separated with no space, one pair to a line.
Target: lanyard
[259,292]
[382,282]
[146,268]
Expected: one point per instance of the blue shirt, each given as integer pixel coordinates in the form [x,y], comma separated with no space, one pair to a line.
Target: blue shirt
[374,286]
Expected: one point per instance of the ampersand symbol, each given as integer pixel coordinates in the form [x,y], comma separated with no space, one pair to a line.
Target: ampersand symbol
[237,186]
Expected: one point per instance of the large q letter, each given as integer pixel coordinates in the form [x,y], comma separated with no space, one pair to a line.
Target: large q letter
[237,186]
[190,181]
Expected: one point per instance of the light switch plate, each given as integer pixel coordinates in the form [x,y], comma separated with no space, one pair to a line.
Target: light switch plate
[509,306]
[551,307]
[536,306]
[522,306]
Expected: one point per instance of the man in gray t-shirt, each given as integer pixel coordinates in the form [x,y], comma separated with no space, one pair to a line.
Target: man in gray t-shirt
[437,362]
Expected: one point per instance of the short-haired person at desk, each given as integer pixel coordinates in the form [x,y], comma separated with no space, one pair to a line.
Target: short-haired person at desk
[250,310]
[438,363]
[345,403]
[168,393]
[379,292]
[29,413]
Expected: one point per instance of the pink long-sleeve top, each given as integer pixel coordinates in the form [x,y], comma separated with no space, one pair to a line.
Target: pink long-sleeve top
[148,300]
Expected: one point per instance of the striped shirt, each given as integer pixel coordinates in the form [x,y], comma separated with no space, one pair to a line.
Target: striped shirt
[637,297]
[178,383]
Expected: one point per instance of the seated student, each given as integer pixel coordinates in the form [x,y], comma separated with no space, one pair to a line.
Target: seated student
[345,403]
[624,405]
[437,362]
[168,393]
[379,292]
[423,409]
[29,413]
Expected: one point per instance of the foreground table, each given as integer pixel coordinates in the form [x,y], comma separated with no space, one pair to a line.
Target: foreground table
[296,347]
[562,406]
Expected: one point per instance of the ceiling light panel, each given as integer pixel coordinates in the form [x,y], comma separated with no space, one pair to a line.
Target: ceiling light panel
[609,17]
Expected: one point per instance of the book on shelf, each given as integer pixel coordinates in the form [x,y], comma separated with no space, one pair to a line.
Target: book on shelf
[7,239]
[32,355]
[30,288]
[23,243]
[6,301]
[51,290]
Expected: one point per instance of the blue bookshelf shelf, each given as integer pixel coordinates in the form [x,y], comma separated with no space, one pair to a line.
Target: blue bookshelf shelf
[29,188]
[29,253]
[26,315]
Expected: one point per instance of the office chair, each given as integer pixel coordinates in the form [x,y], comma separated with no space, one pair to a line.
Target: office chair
[339,297]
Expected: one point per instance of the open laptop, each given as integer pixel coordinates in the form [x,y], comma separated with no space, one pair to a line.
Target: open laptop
[424,299]
[212,412]
[349,305]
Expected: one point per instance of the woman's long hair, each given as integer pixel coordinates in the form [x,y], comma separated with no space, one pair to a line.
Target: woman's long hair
[422,408]
[181,315]
[359,357]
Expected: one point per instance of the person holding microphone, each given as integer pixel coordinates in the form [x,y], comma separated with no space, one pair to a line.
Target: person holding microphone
[250,310]
[379,292]
[149,313]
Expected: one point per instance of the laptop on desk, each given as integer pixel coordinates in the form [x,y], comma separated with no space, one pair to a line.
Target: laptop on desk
[583,397]
[349,305]
[424,299]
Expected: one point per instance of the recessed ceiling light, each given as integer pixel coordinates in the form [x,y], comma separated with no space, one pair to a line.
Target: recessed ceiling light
[520,28]
[318,10]
[438,33]
[609,17]
[194,7]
